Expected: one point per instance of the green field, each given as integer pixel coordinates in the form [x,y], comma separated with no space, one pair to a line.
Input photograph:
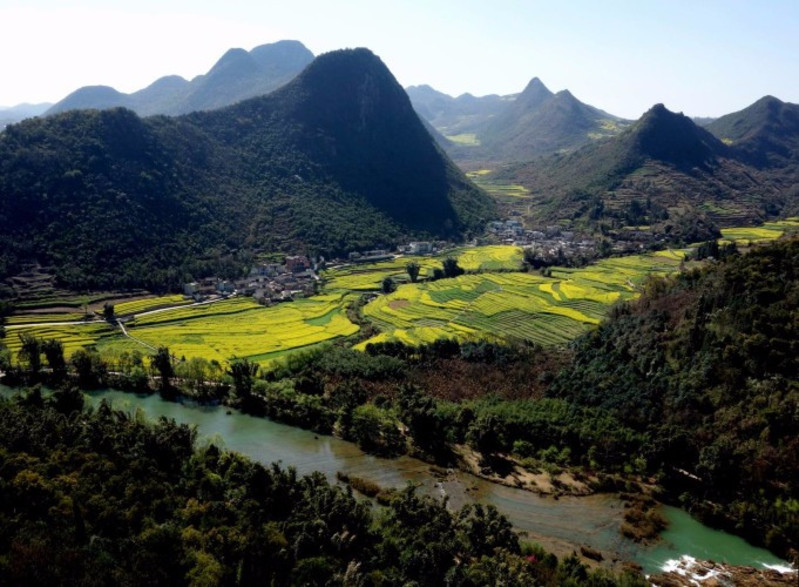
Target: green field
[237,327]
[72,337]
[492,301]
[525,306]
[241,328]
[370,277]
[764,233]
[34,318]
[150,303]
[490,258]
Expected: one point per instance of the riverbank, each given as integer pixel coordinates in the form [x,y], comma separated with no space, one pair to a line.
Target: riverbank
[561,526]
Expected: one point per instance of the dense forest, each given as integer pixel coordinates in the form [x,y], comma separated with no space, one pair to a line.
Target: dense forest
[101,497]
[334,161]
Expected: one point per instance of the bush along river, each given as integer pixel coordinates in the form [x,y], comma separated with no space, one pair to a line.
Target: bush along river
[561,525]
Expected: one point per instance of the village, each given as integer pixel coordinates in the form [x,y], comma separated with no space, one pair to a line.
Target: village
[298,275]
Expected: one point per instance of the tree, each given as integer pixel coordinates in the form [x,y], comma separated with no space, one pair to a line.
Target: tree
[451,267]
[30,353]
[89,367]
[243,372]
[413,268]
[108,312]
[387,286]
[54,353]
[162,363]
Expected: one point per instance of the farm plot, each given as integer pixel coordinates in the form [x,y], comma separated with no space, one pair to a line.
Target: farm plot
[244,329]
[36,318]
[764,233]
[72,336]
[369,277]
[524,306]
[150,303]
[229,306]
[490,258]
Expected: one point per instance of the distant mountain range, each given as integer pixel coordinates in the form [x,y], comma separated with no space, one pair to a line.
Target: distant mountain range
[496,130]
[20,112]
[334,161]
[238,75]
[672,176]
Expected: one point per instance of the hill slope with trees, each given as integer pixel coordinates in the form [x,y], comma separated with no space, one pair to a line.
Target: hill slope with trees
[665,173]
[706,365]
[334,161]
[513,128]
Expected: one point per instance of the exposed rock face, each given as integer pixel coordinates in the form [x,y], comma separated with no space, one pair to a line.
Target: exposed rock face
[689,571]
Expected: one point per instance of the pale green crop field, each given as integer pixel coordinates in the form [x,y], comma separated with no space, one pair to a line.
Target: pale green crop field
[147,304]
[370,276]
[506,306]
[493,301]
[767,232]
[34,318]
[73,336]
[240,328]
[490,258]
[234,328]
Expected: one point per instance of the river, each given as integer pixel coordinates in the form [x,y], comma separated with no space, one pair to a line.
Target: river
[560,525]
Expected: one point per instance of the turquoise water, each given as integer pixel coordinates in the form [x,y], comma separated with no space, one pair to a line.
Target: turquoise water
[561,525]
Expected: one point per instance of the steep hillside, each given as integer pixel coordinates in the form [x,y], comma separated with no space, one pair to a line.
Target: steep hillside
[706,366]
[496,130]
[664,172]
[545,123]
[238,75]
[335,160]
[765,133]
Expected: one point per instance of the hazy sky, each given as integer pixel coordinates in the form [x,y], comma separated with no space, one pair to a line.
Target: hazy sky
[701,57]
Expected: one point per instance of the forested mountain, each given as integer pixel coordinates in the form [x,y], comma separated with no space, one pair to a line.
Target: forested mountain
[706,364]
[512,128]
[237,75]
[334,161]
[766,133]
[664,172]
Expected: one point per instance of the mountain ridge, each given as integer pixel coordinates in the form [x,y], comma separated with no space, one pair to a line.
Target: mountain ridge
[515,128]
[236,76]
[664,172]
[336,160]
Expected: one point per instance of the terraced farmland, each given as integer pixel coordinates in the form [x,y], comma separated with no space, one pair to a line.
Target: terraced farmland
[72,336]
[766,232]
[490,258]
[241,328]
[526,306]
[150,303]
[368,277]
